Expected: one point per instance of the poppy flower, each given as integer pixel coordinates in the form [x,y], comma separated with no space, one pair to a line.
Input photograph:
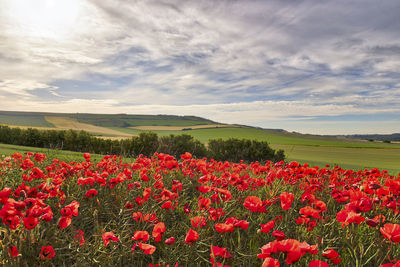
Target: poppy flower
[318,263]
[147,248]
[65,222]
[141,235]
[330,254]
[223,227]
[47,252]
[170,241]
[265,228]
[286,200]
[91,193]
[270,262]
[13,251]
[220,252]
[191,236]
[254,204]
[391,232]
[30,222]
[158,230]
[80,237]
[279,235]
[198,221]
[107,236]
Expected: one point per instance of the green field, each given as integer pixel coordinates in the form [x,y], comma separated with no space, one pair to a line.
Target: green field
[37,119]
[33,120]
[271,136]
[7,150]
[316,150]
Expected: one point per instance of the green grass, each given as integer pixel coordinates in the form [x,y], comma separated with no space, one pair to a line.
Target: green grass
[317,151]
[351,158]
[7,150]
[24,120]
[272,137]
[105,120]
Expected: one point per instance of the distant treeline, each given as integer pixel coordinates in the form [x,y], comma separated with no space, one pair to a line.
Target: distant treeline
[146,143]
[379,137]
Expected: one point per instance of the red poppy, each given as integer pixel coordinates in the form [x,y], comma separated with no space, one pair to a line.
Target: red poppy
[198,221]
[13,251]
[286,200]
[30,222]
[47,252]
[220,252]
[147,249]
[170,241]
[223,227]
[270,262]
[65,222]
[91,193]
[254,204]
[191,236]
[330,254]
[391,232]
[80,237]
[141,235]
[265,228]
[279,235]
[107,237]
[318,263]
[158,230]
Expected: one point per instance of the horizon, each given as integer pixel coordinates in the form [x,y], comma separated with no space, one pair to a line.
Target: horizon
[218,122]
[326,68]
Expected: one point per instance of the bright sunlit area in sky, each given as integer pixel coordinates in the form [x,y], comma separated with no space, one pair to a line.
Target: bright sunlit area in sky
[54,19]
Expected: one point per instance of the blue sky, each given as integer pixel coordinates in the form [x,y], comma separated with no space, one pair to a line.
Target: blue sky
[325,67]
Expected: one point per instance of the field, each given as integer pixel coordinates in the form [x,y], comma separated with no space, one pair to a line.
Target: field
[161,211]
[318,150]
[65,123]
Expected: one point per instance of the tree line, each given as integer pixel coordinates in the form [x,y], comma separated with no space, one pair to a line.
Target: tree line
[146,143]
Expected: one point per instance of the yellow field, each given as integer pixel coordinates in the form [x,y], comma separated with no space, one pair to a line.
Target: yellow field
[65,123]
[178,128]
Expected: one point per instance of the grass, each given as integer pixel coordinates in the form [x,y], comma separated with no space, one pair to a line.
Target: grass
[24,120]
[104,120]
[351,158]
[272,137]
[71,123]
[317,151]
[7,150]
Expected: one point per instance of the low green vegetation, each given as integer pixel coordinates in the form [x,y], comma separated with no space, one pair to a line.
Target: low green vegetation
[33,120]
[146,144]
[271,136]
[37,119]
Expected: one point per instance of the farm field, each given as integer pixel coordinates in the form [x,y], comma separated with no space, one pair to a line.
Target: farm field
[162,211]
[318,150]
[314,150]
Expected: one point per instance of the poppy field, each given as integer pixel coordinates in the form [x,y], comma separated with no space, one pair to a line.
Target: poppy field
[164,211]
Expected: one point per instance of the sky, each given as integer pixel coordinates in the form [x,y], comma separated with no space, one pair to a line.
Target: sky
[321,67]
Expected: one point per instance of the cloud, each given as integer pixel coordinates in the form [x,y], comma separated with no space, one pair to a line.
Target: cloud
[242,60]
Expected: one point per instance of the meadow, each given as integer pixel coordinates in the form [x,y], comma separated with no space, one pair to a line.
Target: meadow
[316,150]
[165,211]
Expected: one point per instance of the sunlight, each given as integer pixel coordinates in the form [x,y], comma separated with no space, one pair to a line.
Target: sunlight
[44,18]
